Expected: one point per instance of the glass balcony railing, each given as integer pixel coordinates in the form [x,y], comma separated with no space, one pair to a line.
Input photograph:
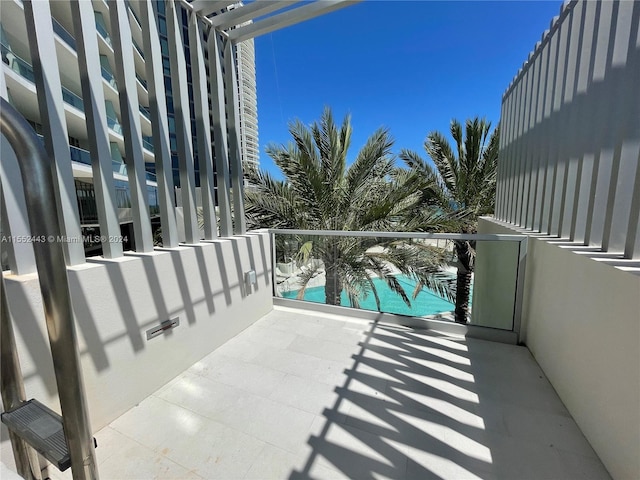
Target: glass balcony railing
[145,112]
[108,76]
[114,125]
[80,155]
[147,143]
[83,156]
[63,33]
[72,99]
[25,70]
[103,33]
[138,49]
[133,13]
[17,64]
[444,277]
[121,168]
[142,81]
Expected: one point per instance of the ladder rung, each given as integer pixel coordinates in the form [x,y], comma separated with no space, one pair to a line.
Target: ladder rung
[41,428]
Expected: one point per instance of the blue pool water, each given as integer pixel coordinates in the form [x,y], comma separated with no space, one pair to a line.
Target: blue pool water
[426,303]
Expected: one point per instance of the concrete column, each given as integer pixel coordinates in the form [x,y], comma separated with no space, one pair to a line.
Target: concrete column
[130,117]
[97,130]
[54,124]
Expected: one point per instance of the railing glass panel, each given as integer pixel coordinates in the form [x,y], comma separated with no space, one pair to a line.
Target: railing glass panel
[147,143]
[142,81]
[138,49]
[108,76]
[101,28]
[114,125]
[444,277]
[17,64]
[63,33]
[72,99]
[80,155]
[145,112]
[135,15]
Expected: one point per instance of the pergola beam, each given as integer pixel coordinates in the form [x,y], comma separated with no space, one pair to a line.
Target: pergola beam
[288,18]
[249,12]
[207,7]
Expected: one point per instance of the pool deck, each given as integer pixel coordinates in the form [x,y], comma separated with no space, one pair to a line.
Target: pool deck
[307,395]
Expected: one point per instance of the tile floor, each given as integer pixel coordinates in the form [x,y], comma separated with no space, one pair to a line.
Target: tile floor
[301,395]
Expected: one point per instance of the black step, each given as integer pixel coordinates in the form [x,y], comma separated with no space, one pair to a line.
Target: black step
[41,428]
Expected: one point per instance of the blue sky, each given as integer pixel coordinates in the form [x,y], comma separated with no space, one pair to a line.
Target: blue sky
[410,66]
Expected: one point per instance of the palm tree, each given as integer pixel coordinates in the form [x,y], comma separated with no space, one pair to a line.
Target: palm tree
[463,186]
[320,192]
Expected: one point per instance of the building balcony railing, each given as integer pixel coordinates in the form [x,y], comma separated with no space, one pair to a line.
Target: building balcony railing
[134,14]
[102,31]
[147,143]
[72,99]
[63,33]
[108,76]
[114,125]
[145,112]
[142,81]
[138,49]
[17,64]
[355,269]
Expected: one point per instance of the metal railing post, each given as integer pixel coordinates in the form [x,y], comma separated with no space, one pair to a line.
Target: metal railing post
[36,169]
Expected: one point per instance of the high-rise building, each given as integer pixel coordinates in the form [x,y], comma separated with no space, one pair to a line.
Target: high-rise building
[22,93]
[246,61]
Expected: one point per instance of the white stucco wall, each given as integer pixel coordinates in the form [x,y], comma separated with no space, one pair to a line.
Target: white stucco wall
[581,322]
[116,301]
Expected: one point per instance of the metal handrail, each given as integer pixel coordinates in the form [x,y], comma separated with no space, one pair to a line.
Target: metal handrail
[434,236]
[36,170]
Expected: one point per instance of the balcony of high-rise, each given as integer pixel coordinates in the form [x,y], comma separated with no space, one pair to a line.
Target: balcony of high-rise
[189,346]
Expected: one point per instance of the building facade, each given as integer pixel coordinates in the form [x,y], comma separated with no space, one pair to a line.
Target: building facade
[22,93]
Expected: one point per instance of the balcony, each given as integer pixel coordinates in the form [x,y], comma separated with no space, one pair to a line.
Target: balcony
[250,384]
[304,395]
[109,77]
[63,34]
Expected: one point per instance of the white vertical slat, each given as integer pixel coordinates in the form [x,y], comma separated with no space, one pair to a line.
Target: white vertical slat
[203,127]
[233,127]
[569,146]
[519,187]
[54,125]
[219,121]
[97,130]
[159,122]
[602,143]
[541,160]
[130,116]
[513,198]
[183,120]
[625,128]
[501,163]
[522,141]
[560,121]
[530,172]
[632,245]
[586,156]
[545,215]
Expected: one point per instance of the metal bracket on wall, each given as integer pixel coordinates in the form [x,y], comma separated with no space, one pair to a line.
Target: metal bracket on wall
[163,328]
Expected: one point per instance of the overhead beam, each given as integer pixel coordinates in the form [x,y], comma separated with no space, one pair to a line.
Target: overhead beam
[288,18]
[207,7]
[249,12]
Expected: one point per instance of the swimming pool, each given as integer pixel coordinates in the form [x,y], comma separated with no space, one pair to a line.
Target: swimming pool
[426,303]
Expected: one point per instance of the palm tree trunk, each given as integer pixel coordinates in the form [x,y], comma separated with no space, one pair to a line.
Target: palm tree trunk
[463,289]
[463,282]
[333,286]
